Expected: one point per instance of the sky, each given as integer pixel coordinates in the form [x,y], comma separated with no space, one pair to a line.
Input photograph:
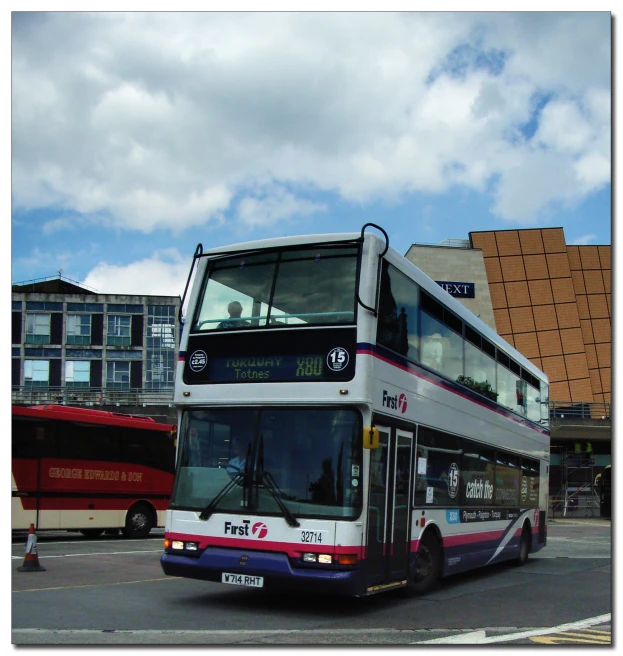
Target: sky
[136,136]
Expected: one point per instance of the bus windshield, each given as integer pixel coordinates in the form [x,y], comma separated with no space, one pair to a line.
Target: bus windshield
[281,288]
[258,461]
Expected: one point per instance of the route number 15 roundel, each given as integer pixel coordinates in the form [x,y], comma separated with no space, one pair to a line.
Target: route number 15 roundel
[337,359]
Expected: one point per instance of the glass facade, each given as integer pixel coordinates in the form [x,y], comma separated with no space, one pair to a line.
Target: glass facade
[161,345]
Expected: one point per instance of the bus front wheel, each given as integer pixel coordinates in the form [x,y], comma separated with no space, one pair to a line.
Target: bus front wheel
[426,569]
[139,521]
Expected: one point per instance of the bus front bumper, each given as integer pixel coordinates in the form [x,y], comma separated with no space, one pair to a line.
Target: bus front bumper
[275,569]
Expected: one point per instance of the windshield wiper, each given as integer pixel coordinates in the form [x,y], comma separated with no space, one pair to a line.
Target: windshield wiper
[240,476]
[269,483]
[209,509]
[265,478]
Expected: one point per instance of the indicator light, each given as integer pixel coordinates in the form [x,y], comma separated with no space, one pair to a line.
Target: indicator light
[347,559]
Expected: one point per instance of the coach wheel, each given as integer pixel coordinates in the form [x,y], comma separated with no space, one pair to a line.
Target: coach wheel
[139,521]
[425,572]
[524,545]
[92,532]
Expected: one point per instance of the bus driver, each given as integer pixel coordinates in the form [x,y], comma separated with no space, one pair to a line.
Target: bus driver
[234,321]
[237,461]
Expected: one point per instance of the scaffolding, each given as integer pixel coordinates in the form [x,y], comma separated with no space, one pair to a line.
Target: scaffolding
[577,495]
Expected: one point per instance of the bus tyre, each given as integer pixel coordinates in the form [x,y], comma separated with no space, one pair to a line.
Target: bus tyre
[425,571]
[138,522]
[92,532]
[524,545]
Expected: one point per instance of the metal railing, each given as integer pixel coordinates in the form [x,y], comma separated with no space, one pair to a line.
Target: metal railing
[575,410]
[106,396]
[580,504]
[34,281]
[90,396]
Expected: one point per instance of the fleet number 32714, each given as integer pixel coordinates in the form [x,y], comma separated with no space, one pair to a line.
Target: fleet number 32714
[311,537]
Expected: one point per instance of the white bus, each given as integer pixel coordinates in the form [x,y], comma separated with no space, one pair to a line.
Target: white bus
[346,426]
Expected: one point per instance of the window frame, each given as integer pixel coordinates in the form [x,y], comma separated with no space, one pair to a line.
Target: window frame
[38,328]
[74,334]
[118,333]
[117,368]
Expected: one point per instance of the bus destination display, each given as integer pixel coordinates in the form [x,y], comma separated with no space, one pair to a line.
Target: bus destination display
[266,368]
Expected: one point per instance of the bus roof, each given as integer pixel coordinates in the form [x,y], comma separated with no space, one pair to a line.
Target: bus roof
[89,416]
[277,242]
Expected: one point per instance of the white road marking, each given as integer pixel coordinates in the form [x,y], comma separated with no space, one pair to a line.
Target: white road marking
[479,637]
[101,553]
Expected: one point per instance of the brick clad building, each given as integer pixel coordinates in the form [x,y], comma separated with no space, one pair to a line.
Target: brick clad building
[553,303]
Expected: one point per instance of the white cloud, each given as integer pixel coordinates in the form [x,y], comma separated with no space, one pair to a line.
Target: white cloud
[172,120]
[55,225]
[583,240]
[279,205]
[163,274]
[563,128]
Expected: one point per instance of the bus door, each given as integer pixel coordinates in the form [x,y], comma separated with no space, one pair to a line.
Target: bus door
[389,509]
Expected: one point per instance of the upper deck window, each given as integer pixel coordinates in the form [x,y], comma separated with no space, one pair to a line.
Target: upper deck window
[295,287]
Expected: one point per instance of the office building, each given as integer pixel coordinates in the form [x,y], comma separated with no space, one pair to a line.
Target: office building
[72,345]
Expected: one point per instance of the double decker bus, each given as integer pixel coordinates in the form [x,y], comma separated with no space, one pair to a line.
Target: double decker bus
[89,470]
[346,426]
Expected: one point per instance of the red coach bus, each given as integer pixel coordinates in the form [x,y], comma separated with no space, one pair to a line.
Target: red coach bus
[89,470]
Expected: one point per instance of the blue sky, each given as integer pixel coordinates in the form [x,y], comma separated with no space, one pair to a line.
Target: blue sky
[136,136]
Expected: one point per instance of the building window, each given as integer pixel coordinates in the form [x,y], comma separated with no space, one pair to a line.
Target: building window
[77,373]
[160,364]
[78,328]
[36,373]
[118,333]
[163,334]
[37,328]
[118,375]
[125,307]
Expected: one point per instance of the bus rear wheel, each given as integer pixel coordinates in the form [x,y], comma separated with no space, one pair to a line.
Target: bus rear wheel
[139,521]
[426,570]
[524,545]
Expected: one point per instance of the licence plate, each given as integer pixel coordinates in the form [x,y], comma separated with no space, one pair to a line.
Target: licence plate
[243,579]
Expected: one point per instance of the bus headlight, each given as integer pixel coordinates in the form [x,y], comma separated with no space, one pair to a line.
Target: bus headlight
[180,545]
[325,559]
